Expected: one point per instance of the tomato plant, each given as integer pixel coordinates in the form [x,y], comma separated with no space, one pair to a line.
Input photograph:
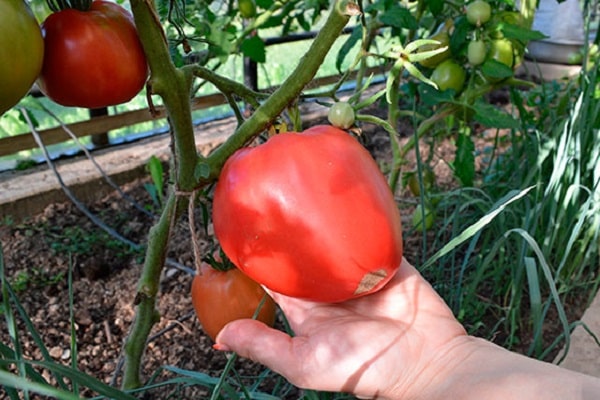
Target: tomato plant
[309,215]
[341,115]
[93,58]
[449,75]
[21,51]
[220,297]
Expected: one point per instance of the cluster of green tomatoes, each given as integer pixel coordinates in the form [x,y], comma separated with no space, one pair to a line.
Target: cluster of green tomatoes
[475,42]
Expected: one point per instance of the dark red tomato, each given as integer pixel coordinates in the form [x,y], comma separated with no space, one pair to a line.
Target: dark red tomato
[309,215]
[220,297]
[93,58]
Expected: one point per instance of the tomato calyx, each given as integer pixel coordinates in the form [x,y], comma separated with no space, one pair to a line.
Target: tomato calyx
[59,5]
[218,261]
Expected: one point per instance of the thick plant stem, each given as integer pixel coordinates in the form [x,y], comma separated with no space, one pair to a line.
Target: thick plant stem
[147,315]
[174,87]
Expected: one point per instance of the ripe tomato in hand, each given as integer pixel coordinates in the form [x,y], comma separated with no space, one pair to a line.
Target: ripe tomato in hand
[309,215]
[220,297]
[93,58]
[21,52]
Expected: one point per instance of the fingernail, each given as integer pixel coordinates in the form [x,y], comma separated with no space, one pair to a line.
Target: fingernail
[221,347]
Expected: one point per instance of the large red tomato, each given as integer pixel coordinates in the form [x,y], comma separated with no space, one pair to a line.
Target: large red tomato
[309,215]
[220,297]
[93,58]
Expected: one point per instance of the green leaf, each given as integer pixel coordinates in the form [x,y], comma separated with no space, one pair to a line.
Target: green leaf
[399,17]
[489,115]
[348,45]
[266,4]
[464,161]
[477,226]
[430,96]
[255,49]
[435,6]
[460,34]
[495,69]
[520,33]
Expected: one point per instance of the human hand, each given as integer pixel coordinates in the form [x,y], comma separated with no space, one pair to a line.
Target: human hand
[386,345]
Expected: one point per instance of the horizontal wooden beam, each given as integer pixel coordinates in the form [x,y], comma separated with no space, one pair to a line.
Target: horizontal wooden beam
[96,125]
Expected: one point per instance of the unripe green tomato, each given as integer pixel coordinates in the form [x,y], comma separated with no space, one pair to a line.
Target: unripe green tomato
[21,51]
[479,12]
[501,50]
[449,75]
[476,52]
[341,115]
[444,41]
[247,8]
[417,218]
[413,181]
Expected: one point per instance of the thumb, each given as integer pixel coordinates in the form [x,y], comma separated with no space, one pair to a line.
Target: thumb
[255,340]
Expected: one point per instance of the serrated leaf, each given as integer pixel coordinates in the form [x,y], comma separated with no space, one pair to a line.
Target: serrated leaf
[399,17]
[520,33]
[348,45]
[488,115]
[495,69]
[255,49]
[464,161]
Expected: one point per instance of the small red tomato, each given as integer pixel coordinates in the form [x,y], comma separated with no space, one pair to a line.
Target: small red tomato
[93,58]
[309,215]
[220,297]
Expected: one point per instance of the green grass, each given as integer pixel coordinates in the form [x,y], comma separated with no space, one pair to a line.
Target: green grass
[511,276]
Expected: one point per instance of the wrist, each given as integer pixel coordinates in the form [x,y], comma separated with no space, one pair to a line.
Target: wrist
[473,368]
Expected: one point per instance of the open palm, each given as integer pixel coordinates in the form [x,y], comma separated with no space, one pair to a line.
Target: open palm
[371,346]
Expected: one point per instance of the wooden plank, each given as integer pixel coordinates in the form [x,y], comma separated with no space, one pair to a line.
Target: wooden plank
[13,144]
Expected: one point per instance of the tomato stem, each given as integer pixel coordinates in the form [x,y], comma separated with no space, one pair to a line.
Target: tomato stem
[281,98]
[59,5]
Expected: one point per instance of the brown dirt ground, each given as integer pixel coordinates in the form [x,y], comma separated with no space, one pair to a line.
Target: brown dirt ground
[38,254]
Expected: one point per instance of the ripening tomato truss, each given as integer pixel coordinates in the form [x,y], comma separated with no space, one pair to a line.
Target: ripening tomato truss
[309,215]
